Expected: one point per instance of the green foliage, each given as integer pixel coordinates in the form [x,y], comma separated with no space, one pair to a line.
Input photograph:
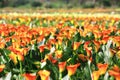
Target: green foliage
[60,3]
[36,4]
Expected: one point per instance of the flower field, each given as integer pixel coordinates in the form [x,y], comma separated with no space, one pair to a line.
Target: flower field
[59,46]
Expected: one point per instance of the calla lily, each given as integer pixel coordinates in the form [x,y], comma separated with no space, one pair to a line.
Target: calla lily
[72,69]
[29,76]
[115,72]
[102,68]
[44,74]
[58,54]
[61,66]
[76,45]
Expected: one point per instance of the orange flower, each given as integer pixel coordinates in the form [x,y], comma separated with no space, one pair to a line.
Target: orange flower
[2,44]
[29,76]
[115,72]
[104,40]
[58,53]
[102,68]
[97,45]
[116,40]
[44,74]
[97,34]
[61,66]
[41,48]
[13,57]
[83,57]
[118,54]
[95,75]
[52,41]
[112,52]
[25,50]
[2,66]
[59,38]
[40,38]
[87,48]
[72,69]
[76,45]
[50,57]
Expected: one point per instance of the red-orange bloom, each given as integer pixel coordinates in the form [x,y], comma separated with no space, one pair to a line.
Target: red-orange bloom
[44,74]
[61,66]
[72,69]
[29,76]
[41,48]
[2,66]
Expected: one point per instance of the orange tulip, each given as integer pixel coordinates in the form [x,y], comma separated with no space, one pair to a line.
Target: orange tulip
[61,66]
[2,66]
[29,76]
[72,69]
[44,74]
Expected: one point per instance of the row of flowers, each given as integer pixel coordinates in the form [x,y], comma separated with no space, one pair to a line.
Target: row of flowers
[73,48]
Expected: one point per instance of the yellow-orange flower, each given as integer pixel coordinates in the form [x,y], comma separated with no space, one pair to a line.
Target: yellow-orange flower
[95,75]
[58,53]
[72,69]
[13,57]
[76,45]
[44,74]
[2,66]
[2,44]
[61,66]
[102,68]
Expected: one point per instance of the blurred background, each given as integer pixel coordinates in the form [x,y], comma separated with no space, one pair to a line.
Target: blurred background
[68,4]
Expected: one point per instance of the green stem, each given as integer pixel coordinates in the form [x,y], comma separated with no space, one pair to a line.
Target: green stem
[60,77]
[70,78]
[21,68]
